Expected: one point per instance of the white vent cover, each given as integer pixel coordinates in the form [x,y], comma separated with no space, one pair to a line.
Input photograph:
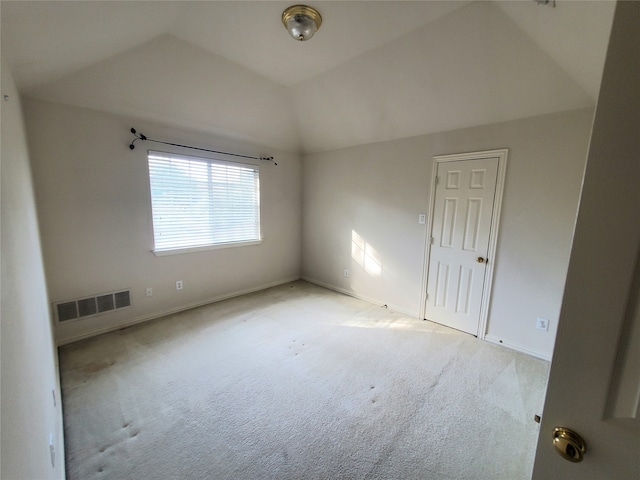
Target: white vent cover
[93,305]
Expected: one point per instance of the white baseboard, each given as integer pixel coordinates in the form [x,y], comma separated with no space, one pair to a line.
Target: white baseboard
[171,311]
[349,293]
[518,347]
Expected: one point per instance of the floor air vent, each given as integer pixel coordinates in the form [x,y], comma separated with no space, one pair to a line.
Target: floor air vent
[90,306]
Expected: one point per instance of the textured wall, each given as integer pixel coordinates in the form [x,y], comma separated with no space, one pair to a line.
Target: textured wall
[29,359]
[95,217]
[378,191]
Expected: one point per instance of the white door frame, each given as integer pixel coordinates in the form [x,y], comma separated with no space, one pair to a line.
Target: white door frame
[502,155]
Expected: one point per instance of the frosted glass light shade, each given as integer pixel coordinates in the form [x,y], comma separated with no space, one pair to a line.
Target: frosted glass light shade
[301,22]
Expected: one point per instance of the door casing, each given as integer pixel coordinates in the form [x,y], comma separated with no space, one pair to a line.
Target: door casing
[501,155]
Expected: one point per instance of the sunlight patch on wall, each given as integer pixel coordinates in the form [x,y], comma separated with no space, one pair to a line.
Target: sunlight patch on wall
[365,255]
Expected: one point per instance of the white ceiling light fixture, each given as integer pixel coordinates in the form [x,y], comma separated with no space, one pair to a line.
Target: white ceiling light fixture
[301,21]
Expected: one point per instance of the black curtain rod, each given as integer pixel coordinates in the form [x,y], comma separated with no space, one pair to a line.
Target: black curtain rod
[140,136]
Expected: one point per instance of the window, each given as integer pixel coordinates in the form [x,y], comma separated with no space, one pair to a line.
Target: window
[200,203]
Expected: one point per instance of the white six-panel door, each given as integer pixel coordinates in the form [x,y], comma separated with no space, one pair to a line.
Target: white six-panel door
[463,209]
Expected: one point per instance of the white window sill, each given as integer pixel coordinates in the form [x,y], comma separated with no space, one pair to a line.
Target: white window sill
[178,251]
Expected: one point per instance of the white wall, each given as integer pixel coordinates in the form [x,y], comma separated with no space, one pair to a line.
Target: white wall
[95,217]
[474,66]
[378,191]
[29,358]
[170,80]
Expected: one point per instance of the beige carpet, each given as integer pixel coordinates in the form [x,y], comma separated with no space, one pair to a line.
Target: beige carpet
[298,382]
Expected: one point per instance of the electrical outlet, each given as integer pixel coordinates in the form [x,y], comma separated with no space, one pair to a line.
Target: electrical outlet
[422,219]
[542,324]
[346,273]
[149,292]
[179,285]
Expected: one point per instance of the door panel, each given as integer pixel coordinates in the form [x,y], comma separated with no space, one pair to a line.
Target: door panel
[471,231]
[599,316]
[461,227]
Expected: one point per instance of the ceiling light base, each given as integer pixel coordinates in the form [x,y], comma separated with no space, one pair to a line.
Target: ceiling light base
[301,21]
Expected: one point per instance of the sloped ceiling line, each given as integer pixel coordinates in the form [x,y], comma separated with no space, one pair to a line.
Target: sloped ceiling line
[455,65]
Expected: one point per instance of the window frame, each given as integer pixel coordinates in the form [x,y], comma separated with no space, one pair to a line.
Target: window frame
[175,250]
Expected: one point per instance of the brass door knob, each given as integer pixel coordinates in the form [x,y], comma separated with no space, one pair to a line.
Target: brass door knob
[569,444]
[480,260]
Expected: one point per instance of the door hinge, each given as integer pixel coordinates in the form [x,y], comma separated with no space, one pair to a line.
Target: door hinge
[431,240]
[437,180]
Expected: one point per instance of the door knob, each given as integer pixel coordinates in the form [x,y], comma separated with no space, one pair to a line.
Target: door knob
[569,444]
[480,260]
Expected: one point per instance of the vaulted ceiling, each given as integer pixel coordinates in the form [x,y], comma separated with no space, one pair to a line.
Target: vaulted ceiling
[375,71]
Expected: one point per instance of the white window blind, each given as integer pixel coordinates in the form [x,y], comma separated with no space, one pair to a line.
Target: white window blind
[200,202]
